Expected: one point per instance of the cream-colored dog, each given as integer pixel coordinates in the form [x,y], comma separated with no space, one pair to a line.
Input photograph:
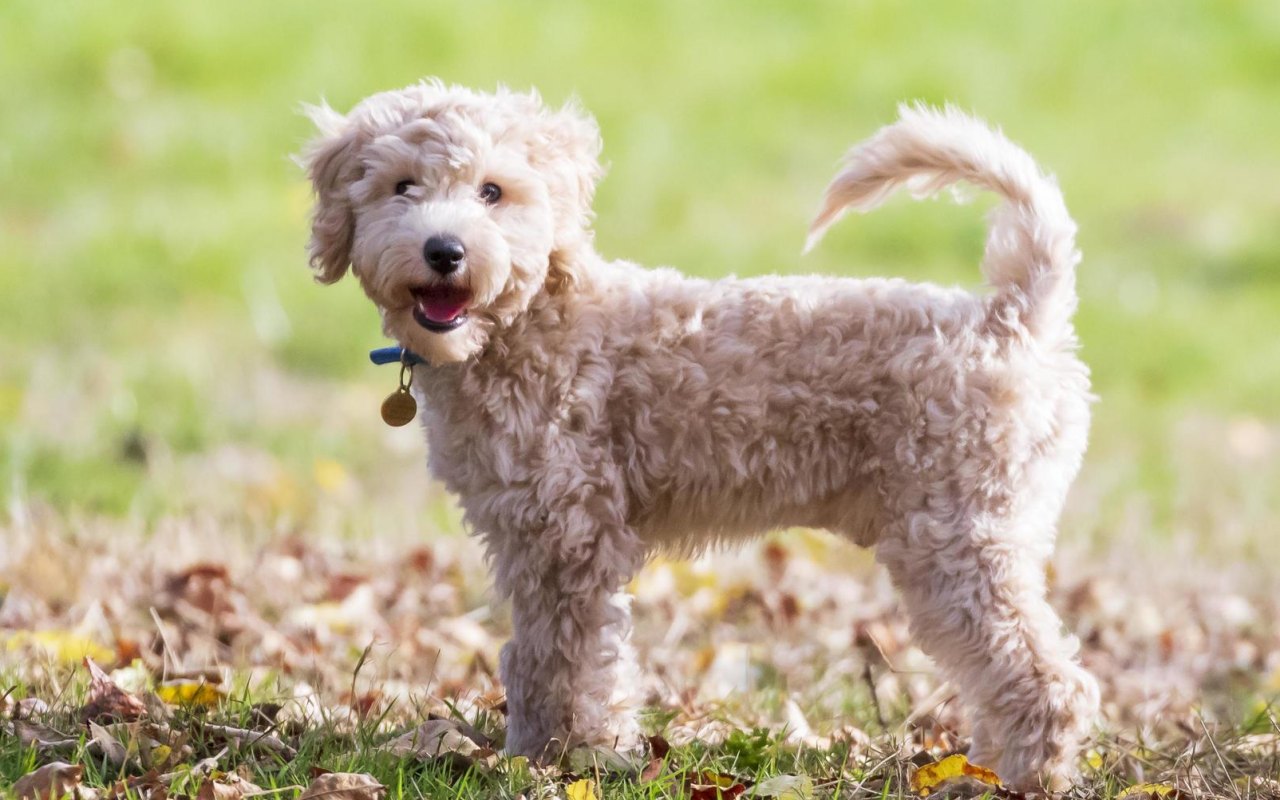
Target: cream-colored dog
[587,412]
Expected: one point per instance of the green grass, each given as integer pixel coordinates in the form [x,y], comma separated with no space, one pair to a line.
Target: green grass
[154,224]
[747,756]
[1204,760]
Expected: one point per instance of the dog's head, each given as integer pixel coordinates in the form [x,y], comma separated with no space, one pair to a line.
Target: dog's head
[453,208]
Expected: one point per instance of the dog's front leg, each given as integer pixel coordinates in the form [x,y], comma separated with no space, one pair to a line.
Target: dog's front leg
[569,669]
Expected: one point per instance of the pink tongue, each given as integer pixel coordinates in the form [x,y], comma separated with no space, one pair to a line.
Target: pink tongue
[442,306]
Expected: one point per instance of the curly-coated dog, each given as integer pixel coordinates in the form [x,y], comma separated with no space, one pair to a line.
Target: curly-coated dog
[588,412]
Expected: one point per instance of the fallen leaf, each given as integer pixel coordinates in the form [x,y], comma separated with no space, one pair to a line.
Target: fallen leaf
[584,789]
[50,782]
[62,646]
[1145,791]
[651,770]
[433,738]
[202,768]
[112,749]
[29,707]
[106,700]
[44,739]
[596,759]
[151,786]
[929,777]
[658,749]
[159,755]
[707,785]
[659,746]
[228,786]
[344,786]
[190,693]
[1094,759]
[786,787]
[253,739]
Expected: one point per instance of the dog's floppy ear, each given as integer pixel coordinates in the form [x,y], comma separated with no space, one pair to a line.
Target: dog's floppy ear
[571,158]
[332,164]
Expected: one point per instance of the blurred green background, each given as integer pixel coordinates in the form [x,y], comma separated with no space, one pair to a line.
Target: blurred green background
[163,349]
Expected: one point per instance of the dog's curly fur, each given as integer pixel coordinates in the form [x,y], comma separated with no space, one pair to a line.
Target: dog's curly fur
[587,412]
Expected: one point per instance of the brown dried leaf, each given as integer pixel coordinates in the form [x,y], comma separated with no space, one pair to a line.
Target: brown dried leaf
[43,739]
[433,738]
[112,749]
[205,586]
[51,782]
[651,770]
[29,707]
[245,738]
[107,702]
[344,786]
[597,759]
[658,749]
[150,785]
[229,786]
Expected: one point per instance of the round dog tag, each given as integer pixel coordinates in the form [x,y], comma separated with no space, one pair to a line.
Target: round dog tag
[399,408]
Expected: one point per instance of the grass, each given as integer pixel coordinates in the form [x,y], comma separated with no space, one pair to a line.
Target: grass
[1204,762]
[154,223]
[753,757]
[171,378]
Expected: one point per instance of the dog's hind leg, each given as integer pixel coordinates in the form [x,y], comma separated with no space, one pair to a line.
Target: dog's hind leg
[974,587]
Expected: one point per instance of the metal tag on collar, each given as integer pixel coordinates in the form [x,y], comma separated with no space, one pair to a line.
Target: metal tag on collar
[400,408]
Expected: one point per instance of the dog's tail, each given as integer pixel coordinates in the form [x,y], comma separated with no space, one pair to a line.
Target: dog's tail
[1031,254]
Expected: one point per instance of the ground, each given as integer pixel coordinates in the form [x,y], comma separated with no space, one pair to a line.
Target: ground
[196,481]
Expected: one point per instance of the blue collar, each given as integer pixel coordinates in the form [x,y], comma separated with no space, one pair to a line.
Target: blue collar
[395,355]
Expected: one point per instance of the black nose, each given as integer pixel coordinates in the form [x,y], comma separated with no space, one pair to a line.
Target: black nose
[444,254]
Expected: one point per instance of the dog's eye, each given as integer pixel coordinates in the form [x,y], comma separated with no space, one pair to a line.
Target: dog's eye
[403,186]
[491,193]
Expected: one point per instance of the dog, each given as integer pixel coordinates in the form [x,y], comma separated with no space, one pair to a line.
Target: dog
[588,412]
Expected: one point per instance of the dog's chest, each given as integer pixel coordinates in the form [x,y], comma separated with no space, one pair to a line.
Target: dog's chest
[487,429]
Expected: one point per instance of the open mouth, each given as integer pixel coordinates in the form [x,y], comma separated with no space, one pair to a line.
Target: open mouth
[440,309]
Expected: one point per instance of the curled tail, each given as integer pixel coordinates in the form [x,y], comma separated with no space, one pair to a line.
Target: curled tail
[1031,255]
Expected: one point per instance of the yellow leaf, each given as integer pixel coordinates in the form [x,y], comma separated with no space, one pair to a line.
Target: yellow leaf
[1094,759]
[1143,790]
[703,659]
[190,693]
[160,754]
[786,787]
[63,646]
[584,789]
[329,474]
[931,776]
